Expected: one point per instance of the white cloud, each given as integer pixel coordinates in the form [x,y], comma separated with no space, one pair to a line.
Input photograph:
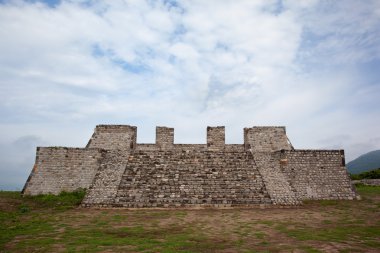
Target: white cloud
[190,64]
[343,32]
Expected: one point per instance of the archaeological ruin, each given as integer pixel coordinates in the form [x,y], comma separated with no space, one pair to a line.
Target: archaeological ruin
[118,172]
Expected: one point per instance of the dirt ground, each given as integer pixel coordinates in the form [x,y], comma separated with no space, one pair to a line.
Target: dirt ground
[321,226]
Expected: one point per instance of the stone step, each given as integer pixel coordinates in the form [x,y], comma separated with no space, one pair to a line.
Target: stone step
[213,177]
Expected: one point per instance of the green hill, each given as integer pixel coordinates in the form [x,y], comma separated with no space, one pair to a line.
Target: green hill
[366,162]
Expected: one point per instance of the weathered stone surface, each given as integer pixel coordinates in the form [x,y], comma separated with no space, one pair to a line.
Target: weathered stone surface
[266,139]
[276,182]
[118,172]
[179,178]
[113,137]
[164,138]
[215,138]
[103,189]
[317,174]
[59,169]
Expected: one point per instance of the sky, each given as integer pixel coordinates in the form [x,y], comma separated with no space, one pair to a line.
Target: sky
[66,66]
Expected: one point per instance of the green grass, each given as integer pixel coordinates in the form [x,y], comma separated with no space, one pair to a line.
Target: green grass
[260,235]
[49,223]
[333,233]
[33,215]
[348,226]
[368,190]
[63,201]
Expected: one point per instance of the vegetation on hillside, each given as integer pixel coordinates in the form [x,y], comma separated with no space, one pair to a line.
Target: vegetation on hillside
[363,163]
[50,223]
[373,174]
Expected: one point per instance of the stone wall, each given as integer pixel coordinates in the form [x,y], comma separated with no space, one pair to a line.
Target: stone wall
[266,139]
[164,138]
[113,137]
[191,178]
[118,172]
[179,147]
[146,146]
[59,169]
[199,147]
[215,138]
[317,174]
[234,147]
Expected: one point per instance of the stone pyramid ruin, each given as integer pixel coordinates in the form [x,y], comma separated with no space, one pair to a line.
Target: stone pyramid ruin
[119,172]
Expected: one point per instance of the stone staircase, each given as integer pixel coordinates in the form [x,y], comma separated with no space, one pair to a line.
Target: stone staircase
[191,179]
[103,190]
[278,186]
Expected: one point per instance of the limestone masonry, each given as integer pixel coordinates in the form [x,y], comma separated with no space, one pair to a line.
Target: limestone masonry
[118,172]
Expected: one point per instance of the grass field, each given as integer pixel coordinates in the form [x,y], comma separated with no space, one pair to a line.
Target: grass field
[55,224]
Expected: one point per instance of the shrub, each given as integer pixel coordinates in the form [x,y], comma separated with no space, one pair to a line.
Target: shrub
[64,200]
[373,174]
[24,208]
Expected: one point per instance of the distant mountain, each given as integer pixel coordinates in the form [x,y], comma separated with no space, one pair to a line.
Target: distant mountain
[366,162]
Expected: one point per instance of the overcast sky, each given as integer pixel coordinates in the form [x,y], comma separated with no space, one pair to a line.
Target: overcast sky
[66,66]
